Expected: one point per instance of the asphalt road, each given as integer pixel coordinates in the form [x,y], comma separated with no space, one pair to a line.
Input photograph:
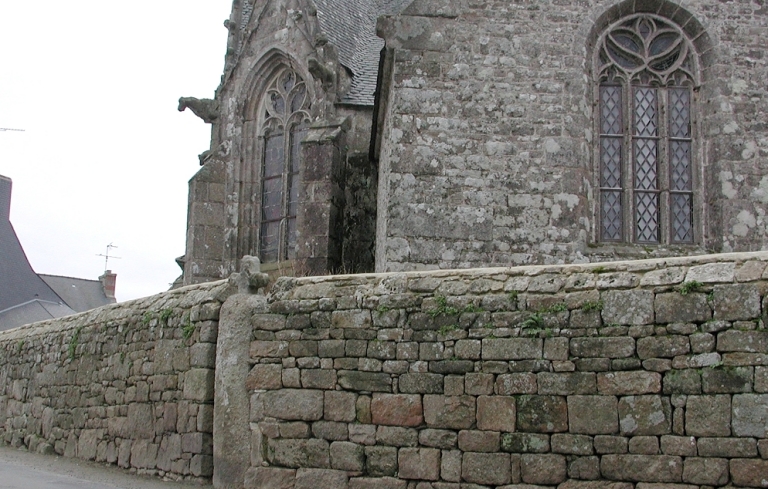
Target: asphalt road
[23,470]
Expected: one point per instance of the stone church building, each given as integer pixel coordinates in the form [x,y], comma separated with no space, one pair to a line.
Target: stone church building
[392,135]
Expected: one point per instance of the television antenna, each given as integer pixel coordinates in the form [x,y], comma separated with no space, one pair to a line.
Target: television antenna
[107,256]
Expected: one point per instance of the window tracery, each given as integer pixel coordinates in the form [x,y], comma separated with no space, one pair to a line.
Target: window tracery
[646,73]
[286,117]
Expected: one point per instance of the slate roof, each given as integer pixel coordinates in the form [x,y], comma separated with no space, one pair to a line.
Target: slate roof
[18,283]
[78,293]
[351,27]
[32,312]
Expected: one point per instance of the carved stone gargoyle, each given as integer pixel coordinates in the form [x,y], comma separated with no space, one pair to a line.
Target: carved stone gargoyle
[205,108]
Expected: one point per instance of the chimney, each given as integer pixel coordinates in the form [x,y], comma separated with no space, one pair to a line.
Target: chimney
[5,198]
[108,281]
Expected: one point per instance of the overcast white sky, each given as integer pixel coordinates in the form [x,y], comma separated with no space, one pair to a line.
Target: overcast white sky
[105,156]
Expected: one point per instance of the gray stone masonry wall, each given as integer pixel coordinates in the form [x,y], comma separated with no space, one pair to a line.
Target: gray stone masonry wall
[488,151]
[622,375]
[128,384]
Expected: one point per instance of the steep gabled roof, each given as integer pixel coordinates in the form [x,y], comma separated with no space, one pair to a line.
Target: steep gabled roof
[78,293]
[351,27]
[18,282]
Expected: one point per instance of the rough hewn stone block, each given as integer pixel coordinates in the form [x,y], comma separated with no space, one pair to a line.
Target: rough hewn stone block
[516,383]
[377,483]
[736,302]
[749,473]
[321,479]
[525,442]
[486,468]
[708,416]
[593,415]
[310,453]
[397,409]
[628,383]
[347,456]
[339,406]
[663,346]
[496,413]
[419,463]
[479,441]
[642,468]
[270,478]
[627,307]
[705,471]
[542,414]
[750,415]
[645,415]
[512,348]
[571,444]
[566,384]
[421,383]
[294,404]
[451,412]
[748,341]
[727,447]
[364,381]
[618,347]
[546,469]
[381,461]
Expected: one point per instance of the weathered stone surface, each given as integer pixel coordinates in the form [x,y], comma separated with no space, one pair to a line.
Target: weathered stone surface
[347,456]
[728,380]
[516,383]
[705,471]
[486,468]
[627,307]
[351,319]
[270,478]
[198,384]
[496,413]
[380,461]
[525,442]
[450,465]
[310,453]
[421,383]
[573,484]
[663,346]
[479,441]
[747,341]
[321,479]
[684,446]
[419,463]
[265,376]
[708,416]
[642,468]
[397,436]
[365,381]
[339,406]
[546,469]
[686,381]
[645,415]
[542,414]
[294,404]
[571,444]
[628,383]
[644,445]
[451,412]
[727,447]
[593,415]
[397,409]
[736,302]
[750,415]
[611,444]
[675,307]
[444,439]
[711,272]
[619,347]
[377,483]
[749,473]
[566,384]
[512,348]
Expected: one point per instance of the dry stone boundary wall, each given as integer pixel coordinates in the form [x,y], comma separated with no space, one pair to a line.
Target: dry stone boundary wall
[620,375]
[128,384]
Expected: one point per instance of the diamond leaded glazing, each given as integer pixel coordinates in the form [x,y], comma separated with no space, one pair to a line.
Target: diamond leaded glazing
[285,118]
[645,67]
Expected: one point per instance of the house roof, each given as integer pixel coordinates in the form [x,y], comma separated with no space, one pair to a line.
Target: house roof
[31,312]
[78,293]
[351,28]
[19,282]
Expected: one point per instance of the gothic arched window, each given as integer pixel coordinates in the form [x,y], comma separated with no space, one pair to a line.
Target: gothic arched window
[285,120]
[646,73]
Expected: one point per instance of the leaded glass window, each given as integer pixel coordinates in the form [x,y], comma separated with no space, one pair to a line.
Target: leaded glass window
[646,72]
[286,117]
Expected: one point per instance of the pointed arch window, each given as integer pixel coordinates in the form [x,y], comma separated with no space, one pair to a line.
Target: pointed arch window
[286,118]
[646,75]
